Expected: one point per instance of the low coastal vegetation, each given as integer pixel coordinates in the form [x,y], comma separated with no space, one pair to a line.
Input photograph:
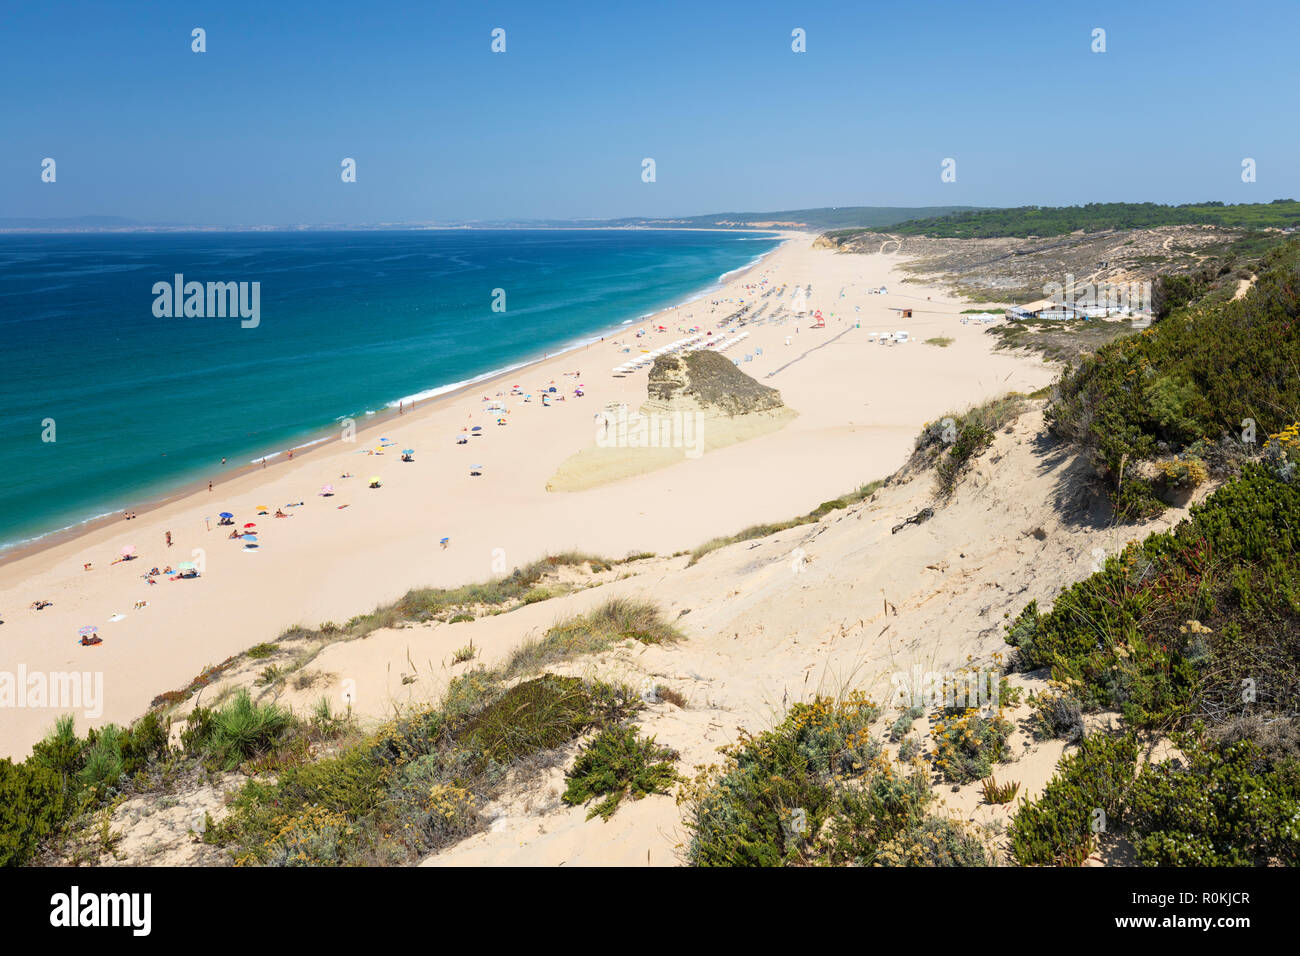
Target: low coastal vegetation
[817,789]
[321,792]
[1195,394]
[419,781]
[951,443]
[1193,636]
[69,779]
[1096,217]
[527,585]
[763,530]
[619,763]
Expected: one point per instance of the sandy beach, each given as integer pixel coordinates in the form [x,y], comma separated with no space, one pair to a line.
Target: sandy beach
[859,407]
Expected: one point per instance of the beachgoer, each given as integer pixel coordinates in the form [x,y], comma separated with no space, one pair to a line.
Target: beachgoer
[209,486]
[169,539]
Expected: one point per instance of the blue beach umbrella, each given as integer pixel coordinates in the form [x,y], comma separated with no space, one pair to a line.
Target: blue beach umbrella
[225,514]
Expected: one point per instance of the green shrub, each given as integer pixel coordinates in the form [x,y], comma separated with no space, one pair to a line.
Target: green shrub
[966,747]
[61,751]
[1060,826]
[900,727]
[238,731]
[1056,715]
[538,714]
[144,742]
[1226,806]
[102,768]
[618,763]
[936,841]
[32,807]
[951,443]
[812,788]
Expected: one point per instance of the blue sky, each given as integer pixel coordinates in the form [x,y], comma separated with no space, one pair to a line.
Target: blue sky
[253,131]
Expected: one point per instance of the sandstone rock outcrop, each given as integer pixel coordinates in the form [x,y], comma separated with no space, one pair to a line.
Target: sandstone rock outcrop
[706,382]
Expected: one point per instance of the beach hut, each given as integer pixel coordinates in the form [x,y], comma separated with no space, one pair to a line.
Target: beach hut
[907,313]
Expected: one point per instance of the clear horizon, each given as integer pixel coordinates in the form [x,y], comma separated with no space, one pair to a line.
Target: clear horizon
[254,130]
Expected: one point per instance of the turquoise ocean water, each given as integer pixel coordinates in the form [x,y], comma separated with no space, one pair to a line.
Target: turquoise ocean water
[348,324]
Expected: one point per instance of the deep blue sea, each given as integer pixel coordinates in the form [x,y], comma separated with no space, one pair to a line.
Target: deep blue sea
[348,324]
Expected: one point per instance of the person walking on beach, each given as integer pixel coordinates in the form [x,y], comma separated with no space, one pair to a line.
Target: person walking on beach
[169,539]
[209,486]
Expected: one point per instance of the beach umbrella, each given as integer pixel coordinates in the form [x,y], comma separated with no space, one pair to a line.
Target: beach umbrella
[225,514]
[88,629]
[408,451]
[327,489]
[262,509]
[186,566]
[128,551]
[374,481]
[477,428]
[250,525]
